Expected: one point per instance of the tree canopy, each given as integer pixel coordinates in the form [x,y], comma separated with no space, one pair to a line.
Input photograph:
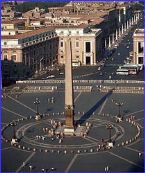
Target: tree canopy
[26,6]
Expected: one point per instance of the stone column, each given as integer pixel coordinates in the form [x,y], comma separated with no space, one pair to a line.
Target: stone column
[40,66]
[122,29]
[69,105]
[132,21]
[109,41]
[113,38]
[124,26]
[129,22]
[138,15]
[116,35]
[119,32]
[134,18]
[127,26]
[25,59]
[29,61]
[105,43]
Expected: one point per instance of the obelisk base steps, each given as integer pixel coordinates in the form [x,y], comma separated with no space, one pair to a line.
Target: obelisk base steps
[69,131]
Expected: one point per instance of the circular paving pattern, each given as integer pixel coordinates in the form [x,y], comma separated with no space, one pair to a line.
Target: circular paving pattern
[33,135]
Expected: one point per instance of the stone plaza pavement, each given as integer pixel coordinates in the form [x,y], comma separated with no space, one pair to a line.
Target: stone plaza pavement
[74,154]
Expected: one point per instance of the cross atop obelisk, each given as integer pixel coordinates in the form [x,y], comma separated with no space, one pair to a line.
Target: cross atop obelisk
[69,103]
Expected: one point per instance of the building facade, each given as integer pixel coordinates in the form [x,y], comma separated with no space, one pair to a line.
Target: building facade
[85,45]
[36,49]
[138,46]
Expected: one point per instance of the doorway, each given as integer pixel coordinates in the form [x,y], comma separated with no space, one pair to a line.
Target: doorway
[88,60]
[140,60]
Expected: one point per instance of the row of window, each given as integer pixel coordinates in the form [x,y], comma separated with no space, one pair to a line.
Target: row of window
[62,32]
[62,44]
[77,57]
[13,57]
[87,46]
[36,37]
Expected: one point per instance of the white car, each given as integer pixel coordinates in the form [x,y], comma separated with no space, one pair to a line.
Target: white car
[99,68]
[51,76]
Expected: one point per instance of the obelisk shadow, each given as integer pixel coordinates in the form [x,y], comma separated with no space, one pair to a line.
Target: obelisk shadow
[88,114]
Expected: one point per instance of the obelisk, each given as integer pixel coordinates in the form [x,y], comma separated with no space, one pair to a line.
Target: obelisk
[69,103]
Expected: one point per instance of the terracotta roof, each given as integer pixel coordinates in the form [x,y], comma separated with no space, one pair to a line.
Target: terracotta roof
[29,33]
[34,32]
[9,36]
[86,16]
[16,21]
[96,21]
[79,26]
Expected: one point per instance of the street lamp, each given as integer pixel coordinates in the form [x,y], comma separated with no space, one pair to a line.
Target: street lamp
[41,63]
[14,139]
[109,127]
[119,104]
[13,124]
[30,168]
[36,103]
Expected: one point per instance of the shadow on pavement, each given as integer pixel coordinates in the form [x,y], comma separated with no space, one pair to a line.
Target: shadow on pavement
[138,169]
[48,110]
[93,109]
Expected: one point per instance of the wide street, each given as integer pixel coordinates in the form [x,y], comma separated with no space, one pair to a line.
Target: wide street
[125,46]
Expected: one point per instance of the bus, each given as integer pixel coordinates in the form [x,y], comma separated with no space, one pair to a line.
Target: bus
[132,68]
[122,71]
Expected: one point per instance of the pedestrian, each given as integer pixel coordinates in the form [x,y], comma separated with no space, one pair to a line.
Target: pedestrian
[24,164]
[139,154]
[107,168]
[30,168]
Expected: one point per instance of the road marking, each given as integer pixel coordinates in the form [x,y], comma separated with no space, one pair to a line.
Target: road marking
[13,112]
[135,112]
[3,123]
[85,75]
[93,139]
[125,159]
[22,104]
[102,107]
[71,163]
[139,119]
[25,162]
[5,148]
[101,124]
[134,149]
[77,97]
[90,140]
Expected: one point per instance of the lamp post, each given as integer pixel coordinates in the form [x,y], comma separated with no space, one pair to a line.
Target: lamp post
[30,168]
[36,103]
[41,64]
[119,104]
[14,130]
[109,127]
